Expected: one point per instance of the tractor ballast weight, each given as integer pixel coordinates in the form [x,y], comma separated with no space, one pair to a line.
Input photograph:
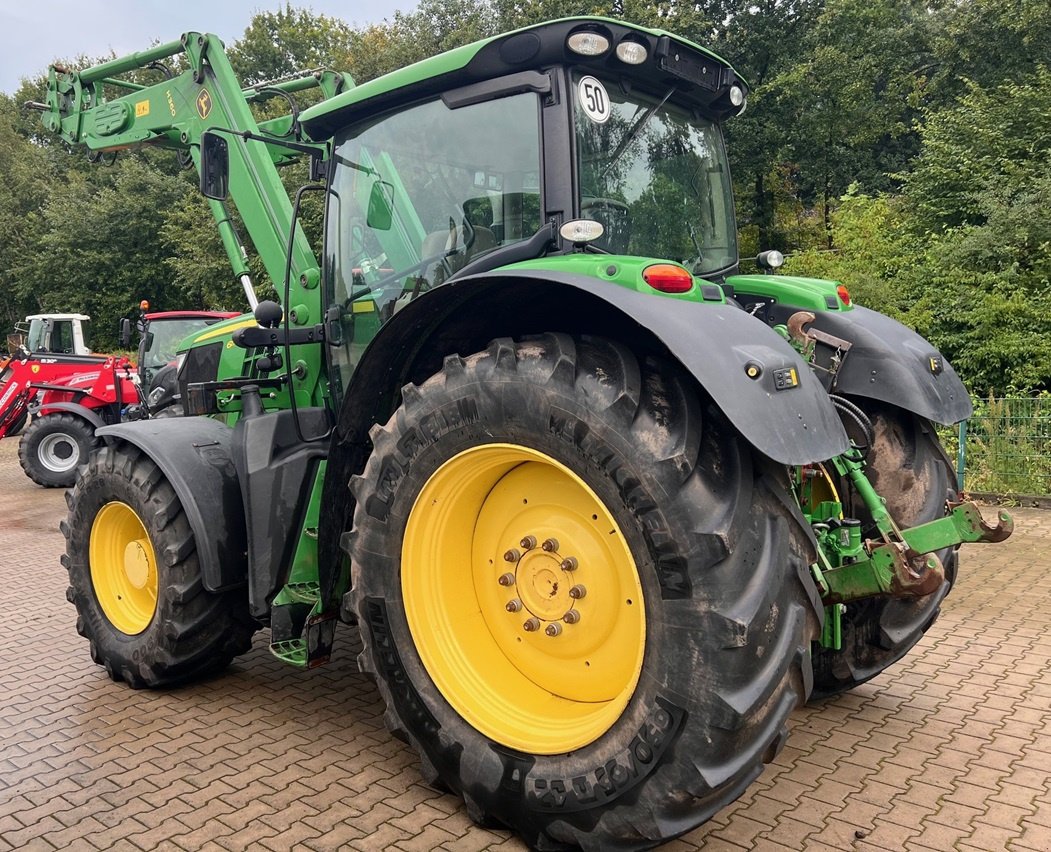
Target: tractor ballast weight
[514,434]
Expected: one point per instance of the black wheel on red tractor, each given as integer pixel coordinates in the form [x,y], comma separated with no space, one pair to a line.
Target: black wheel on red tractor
[54,446]
[584,597]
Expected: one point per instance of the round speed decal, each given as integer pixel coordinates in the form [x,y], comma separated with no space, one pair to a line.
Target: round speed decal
[591,95]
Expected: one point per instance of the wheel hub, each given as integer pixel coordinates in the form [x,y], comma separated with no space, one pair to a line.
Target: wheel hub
[58,452]
[523,598]
[123,568]
[542,584]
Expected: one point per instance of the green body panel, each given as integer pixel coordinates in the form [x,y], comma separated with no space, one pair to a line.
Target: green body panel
[804,293]
[622,270]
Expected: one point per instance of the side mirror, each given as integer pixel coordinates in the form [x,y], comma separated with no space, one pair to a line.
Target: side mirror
[125,333]
[381,206]
[215,166]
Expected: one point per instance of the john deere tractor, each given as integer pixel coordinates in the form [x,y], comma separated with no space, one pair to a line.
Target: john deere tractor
[602,510]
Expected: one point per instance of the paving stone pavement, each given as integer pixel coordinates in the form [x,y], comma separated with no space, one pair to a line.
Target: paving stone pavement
[948,750]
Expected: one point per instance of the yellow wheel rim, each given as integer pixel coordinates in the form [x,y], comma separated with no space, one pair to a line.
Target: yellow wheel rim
[123,568]
[819,489]
[523,599]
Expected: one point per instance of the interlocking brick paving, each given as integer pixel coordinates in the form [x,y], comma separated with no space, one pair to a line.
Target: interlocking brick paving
[948,750]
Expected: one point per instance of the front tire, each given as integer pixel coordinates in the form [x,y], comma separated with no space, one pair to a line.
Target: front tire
[907,467]
[54,446]
[135,578]
[659,701]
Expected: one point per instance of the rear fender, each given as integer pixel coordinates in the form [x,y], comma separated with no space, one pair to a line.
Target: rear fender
[891,363]
[194,453]
[715,343]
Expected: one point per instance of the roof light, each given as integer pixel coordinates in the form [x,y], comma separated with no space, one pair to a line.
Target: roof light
[632,52]
[736,95]
[844,294]
[580,231]
[668,278]
[588,44]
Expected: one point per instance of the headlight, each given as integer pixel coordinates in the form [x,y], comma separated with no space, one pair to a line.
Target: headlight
[588,44]
[631,52]
[580,231]
[156,395]
[772,259]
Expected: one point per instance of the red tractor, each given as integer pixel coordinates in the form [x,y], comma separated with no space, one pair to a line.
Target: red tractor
[70,396]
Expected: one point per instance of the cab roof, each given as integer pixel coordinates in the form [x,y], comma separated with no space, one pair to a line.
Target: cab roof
[702,76]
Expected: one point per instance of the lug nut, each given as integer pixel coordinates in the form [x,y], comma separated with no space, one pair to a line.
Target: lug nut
[550,545]
[513,605]
[507,579]
[531,625]
[577,592]
[553,629]
[528,543]
[512,555]
[570,564]
[571,617]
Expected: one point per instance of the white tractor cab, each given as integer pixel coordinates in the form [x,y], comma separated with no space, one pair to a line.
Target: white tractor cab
[61,333]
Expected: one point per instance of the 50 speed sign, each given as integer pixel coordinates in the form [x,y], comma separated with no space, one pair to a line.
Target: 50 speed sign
[593,99]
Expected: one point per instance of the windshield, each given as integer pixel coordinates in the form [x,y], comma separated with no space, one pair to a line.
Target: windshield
[418,194]
[164,337]
[37,334]
[654,176]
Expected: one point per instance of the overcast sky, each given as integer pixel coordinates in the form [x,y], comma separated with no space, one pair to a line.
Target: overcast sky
[33,33]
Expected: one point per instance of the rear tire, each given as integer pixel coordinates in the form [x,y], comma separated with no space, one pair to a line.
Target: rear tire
[907,468]
[147,615]
[720,621]
[54,446]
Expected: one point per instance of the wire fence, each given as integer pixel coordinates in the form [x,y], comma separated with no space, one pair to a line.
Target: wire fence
[1006,447]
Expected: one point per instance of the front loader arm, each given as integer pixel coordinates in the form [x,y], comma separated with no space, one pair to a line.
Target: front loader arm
[174,113]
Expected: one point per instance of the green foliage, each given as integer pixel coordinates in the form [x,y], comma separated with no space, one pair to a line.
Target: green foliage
[995,139]
[902,147]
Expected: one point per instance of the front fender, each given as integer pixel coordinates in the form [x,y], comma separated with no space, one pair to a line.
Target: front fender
[892,363]
[73,408]
[194,453]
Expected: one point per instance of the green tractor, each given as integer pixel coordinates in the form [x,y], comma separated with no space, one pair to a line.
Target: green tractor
[603,510]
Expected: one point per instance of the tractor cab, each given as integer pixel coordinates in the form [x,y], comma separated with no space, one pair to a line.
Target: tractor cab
[54,333]
[483,166]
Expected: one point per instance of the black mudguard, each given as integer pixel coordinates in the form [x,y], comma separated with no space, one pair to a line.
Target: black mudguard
[892,363]
[714,342]
[194,453]
[73,408]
